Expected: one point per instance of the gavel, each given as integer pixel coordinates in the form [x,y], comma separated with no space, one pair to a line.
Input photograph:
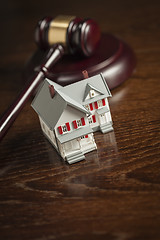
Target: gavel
[61,35]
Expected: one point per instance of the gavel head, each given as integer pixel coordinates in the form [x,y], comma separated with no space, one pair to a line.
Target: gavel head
[76,35]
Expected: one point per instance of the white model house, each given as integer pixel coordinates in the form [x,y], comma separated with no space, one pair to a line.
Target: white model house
[69,115]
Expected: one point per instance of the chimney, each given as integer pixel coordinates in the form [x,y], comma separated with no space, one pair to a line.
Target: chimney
[85,74]
[51,90]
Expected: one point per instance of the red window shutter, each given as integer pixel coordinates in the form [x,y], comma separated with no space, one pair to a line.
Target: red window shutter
[86,136]
[103,102]
[91,106]
[60,129]
[83,121]
[75,124]
[96,105]
[94,118]
[68,126]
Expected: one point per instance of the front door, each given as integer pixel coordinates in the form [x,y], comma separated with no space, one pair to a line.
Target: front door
[83,143]
[102,118]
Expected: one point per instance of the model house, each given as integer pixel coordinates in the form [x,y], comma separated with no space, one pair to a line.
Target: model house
[69,115]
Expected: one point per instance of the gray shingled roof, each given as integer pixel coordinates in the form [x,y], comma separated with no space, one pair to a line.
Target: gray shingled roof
[78,90]
[50,109]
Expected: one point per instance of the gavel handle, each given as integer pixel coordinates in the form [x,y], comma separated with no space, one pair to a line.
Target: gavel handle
[54,54]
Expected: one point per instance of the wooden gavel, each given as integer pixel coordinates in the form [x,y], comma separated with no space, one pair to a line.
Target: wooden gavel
[63,34]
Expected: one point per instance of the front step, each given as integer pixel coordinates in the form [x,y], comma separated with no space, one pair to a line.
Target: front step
[75,157]
[106,128]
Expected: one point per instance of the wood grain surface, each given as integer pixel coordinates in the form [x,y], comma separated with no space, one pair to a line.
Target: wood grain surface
[115,193]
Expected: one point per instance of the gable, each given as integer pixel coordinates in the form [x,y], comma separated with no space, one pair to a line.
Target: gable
[91,92]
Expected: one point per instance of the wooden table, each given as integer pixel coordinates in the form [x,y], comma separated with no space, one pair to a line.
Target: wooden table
[115,193]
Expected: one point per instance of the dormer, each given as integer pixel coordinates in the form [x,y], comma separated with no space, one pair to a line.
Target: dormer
[91,92]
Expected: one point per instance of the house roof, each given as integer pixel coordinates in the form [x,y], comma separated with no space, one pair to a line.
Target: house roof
[79,90]
[51,109]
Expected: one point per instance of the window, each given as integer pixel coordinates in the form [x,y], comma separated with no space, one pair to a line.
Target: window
[92,93]
[99,102]
[87,106]
[64,128]
[79,123]
[83,137]
[90,120]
